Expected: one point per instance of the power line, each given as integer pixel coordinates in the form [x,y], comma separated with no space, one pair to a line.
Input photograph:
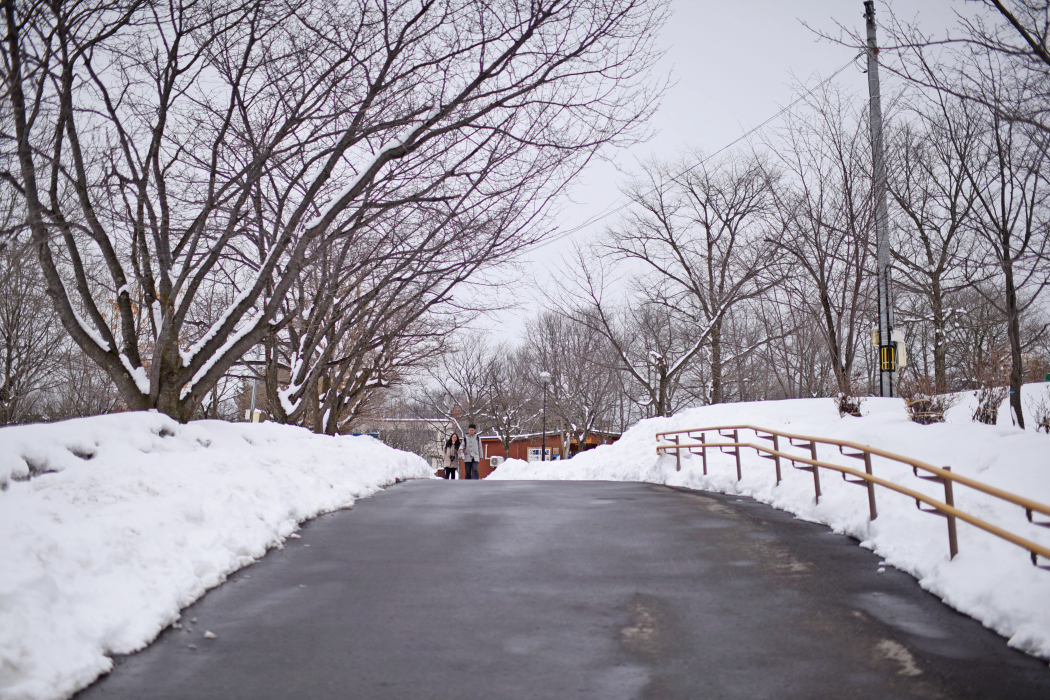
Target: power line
[606,214]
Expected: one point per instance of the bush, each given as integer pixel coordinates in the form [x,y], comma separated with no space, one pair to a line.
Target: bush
[849,402]
[993,378]
[925,406]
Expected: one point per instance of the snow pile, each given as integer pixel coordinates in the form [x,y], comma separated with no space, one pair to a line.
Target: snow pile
[990,579]
[512,464]
[130,517]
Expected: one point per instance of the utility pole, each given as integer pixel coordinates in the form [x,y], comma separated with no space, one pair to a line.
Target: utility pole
[887,348]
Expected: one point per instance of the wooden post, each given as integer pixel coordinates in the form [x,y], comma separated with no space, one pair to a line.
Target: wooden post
[949,498]
[871,486]
[736,439]
[816,474]
[776,457]
[703,450]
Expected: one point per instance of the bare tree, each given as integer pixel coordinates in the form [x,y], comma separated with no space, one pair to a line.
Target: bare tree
[934,199]
[459,383]
[166,148]
[979,333]
[512,406]
[583,373]
[800,362]
[746,374]
[1011,222]
[1009,39]
[30,340]
[826,212]
[79,388]
[998,65]
[356,337]
[373,360]
[221,402]
[650,343]
[396,280]
[697,228]
[695,232]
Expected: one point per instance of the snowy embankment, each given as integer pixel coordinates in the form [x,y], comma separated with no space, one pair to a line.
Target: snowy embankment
[990,579]
[139,518]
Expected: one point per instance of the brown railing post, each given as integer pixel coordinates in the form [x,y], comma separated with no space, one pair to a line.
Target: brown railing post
[736,439]
[949,498]
[776,457]
[871,486]
[946,509]
[677,454]
[816,476]
[703,451]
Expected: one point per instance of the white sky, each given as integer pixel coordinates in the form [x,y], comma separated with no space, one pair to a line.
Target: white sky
[734,65]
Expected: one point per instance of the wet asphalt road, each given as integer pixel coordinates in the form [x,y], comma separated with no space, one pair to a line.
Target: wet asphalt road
[507,590]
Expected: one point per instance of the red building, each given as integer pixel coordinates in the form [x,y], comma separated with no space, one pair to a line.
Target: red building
[527,448]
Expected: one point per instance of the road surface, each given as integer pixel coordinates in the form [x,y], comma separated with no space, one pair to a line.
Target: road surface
[505,590]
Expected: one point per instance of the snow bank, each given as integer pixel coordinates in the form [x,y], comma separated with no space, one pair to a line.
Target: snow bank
[132,517]
[513,464]
[990,579]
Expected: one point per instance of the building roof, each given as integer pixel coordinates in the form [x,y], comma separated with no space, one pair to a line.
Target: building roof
[552,433]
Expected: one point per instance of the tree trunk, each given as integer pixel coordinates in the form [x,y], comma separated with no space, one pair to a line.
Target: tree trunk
[940,346]
[270,378]
[835,350]
[717,395]
[661,399]
[1013,330]
[169,400]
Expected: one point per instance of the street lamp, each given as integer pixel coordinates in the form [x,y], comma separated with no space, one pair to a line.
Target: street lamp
[545,378]
[255,386]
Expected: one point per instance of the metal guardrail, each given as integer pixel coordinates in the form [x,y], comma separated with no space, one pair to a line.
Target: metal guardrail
[865,478]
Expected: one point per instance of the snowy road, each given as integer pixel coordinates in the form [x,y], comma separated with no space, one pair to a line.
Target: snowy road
[604,590]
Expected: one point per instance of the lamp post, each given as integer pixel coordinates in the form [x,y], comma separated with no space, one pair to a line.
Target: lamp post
[255,386]
[545,378]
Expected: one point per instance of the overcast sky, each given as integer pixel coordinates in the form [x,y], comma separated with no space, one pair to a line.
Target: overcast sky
[733,65]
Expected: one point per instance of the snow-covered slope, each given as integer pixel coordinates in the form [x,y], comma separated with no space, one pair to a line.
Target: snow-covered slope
[990,579]
[140,517]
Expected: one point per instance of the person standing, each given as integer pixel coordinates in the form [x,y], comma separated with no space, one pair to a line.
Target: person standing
[451,456]
[471,452]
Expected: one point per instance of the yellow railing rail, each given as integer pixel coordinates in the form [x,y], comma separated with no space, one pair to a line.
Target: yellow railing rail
[866,478]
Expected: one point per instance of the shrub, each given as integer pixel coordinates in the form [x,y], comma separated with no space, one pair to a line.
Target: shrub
[993,379]
[925,406]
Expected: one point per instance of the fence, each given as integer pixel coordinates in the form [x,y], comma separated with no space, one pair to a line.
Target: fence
[866,478]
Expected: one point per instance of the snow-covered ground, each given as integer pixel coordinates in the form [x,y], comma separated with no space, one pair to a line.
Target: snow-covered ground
[990,579]
[110,525]
[138,517]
